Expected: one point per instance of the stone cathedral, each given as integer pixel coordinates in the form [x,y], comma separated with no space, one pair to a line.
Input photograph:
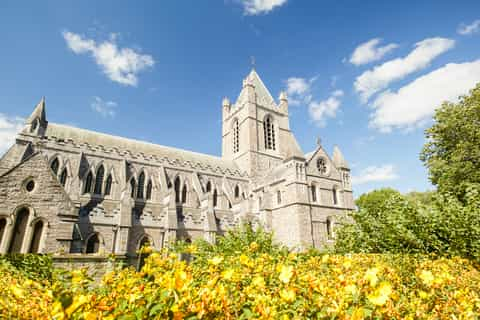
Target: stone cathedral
[65,190]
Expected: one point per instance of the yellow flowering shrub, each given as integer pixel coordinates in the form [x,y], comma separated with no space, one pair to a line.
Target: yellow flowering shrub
[255,285]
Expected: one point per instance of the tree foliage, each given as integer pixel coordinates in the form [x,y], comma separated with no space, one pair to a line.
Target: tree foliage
[402,224]
[452,151]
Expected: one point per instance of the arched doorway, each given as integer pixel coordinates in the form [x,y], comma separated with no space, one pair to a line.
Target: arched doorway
[19,229]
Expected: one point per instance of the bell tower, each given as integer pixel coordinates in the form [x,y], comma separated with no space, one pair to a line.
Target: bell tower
[255,129]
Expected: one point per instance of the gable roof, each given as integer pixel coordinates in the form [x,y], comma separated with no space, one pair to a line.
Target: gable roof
[118,144]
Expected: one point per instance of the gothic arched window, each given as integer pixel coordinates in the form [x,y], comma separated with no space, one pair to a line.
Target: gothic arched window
[37,237]
[108,185]
[54,166]
[314,193]
[215,198]
[99,180]
[184,193]
[63,177]
[88,183]
[236,136]
[330,233]
[269,133]
[177,189]
[133,185]
[141,185]
[237,192]
[209,186]
[93,244]
[19,229]
[149,190]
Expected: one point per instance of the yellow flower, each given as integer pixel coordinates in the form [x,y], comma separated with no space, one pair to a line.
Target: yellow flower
[253,246]
[17,292]
[351,289]
[423,294]
[381,294]
[286,274]
[288,295]
[258,281]
[325,258]
[371,276]
[215,260]
[78,301]
[427,277]
[228,274]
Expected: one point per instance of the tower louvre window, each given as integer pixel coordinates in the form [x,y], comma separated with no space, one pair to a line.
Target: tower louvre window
[99,180]
[269,133]
[141,185]
[236,137]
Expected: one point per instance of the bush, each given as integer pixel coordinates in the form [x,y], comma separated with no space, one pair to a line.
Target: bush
[33,266]
[392,223]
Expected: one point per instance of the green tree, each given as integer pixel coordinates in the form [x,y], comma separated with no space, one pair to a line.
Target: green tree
[452,151]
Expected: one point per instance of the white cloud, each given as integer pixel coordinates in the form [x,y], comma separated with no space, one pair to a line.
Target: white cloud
[412,105]
[464,29]
[298,90]
[120,64]
[255,7]
[375,174]
[370,51]
[381,76]
[105,108]
[9,127]
[320,110]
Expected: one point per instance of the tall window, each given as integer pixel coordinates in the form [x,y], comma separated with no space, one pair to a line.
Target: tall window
[330,233]
[99,180]
[19,228]
[141,185]
[215,198]
[63,177]
[149,190]
[209,186]
[88,183]
[108,185]
[237,192]
[93,244]
[177,189]
[133,185]
[335,196]
[269,133]
[184,194]
[37,236]
[236,136]
[54,166]
[314,193]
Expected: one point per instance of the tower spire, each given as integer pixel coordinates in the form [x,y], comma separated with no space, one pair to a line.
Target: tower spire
[38,113]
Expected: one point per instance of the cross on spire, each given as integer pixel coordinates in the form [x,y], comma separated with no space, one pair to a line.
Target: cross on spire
[319,141]
[252,61]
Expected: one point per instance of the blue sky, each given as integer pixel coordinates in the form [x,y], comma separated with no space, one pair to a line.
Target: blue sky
[365,75]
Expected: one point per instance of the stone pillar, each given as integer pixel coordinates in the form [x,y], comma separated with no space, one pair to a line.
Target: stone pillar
[125,223]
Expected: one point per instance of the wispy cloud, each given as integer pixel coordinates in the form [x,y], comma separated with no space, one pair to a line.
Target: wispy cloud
[465,29]
[321,110]
[375,174]
[105,108]
[9,127]
[299,90]
[370,51]
[121,65]
[414,104]
[255,7]
[378,78]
